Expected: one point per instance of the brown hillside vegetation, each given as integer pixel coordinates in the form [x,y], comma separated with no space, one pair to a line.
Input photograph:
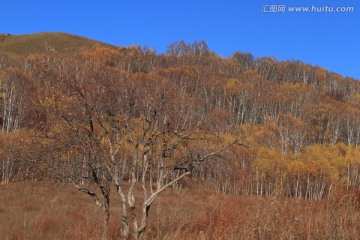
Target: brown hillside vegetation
[128,128]
[47,42]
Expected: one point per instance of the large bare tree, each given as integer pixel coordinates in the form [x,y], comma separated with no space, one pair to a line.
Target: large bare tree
[141,135]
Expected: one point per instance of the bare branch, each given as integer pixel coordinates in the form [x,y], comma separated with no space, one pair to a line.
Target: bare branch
[153,196]
[91,194]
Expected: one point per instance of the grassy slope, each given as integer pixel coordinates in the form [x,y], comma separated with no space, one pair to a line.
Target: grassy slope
[19,45]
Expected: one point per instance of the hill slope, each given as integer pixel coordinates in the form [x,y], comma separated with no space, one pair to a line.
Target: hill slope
[47,42]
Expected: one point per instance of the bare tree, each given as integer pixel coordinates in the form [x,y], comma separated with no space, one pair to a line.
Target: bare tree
[140,135]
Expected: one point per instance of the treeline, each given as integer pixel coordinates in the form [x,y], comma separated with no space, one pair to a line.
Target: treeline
[262,125]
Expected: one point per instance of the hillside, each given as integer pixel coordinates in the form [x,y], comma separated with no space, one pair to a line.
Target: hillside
[47,42]
[283,110]
[139,123]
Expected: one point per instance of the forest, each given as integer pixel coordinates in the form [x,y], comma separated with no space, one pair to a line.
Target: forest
[129,122]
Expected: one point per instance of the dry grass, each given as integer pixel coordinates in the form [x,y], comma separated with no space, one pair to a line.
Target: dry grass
[45,43]
[46,211]
[56,211]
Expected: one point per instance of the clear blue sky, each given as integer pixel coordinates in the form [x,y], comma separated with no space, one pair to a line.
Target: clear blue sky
[330,40]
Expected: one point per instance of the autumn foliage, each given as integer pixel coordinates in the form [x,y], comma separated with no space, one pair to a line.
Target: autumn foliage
[144,121]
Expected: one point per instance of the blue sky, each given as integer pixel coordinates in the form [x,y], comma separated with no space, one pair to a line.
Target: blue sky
[330,40]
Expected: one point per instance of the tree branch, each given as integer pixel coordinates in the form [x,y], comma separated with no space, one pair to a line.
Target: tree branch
[91,194]
[153,196]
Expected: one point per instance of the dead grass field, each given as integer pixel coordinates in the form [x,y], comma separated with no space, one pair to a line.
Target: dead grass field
[57,211]
[63,43]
